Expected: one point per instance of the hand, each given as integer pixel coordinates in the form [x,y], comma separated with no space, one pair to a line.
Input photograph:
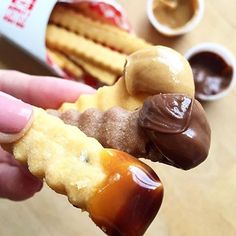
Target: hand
[16,182]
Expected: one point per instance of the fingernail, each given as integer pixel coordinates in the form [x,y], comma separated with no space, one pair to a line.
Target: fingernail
[14,114]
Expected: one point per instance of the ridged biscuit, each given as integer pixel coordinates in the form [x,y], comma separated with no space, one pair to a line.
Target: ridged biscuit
[104,76]
[147,72]
[64,63]
[73,44]
[102,33]
[99,180]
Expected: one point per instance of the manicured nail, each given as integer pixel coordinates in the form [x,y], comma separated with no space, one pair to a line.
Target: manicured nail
[14,114]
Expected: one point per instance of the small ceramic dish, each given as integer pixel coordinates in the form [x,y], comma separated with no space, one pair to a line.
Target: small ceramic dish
[172,18]
[214,70]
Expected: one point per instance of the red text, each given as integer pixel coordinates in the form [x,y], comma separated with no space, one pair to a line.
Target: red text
[18,12]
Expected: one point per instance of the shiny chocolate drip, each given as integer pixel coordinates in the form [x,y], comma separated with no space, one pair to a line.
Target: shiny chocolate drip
[130,197]
[178,130]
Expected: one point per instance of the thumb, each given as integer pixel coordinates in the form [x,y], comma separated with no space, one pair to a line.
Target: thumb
[15,118]
[16,182]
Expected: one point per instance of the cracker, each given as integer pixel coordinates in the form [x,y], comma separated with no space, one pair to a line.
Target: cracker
[102,75]
[107,97]
[63,155]
[64,63]
[73,66]
[147,72]
[72,44]
[106,34]
[91,176]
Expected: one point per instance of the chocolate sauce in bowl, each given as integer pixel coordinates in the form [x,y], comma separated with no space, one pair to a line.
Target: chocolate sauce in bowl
[212,74]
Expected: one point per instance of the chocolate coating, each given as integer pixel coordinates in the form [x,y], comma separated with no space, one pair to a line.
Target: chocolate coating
[178,129]
[173,113]
[212,74]
[115,128]
[169,128]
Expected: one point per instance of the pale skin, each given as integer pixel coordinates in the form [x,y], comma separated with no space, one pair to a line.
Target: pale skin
[16,182]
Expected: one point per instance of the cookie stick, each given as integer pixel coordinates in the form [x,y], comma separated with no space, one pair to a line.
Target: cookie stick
[115,128]
[73,66]
[105,34]
[103,75]
[64,63]
[147,72]
[72,44]
[91,176]
[162,130]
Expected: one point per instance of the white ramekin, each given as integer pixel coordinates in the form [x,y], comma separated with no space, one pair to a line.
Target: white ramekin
[170,32]
[226,55]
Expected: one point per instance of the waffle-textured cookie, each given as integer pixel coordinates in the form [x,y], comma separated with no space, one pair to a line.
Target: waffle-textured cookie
[72,44]
[147,72]
[64,63]
[102,33]
[105,76]
[98,180]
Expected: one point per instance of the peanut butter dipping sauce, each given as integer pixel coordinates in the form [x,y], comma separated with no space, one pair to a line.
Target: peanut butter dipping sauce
[174,13]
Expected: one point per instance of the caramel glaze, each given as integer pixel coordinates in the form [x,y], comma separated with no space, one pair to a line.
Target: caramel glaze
[130,197]
[178,130]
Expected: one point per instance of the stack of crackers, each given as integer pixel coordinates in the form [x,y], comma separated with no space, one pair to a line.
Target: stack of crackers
[82,45]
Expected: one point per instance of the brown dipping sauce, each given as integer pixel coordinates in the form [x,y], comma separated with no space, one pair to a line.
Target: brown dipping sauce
[212,74]
[178,128]
[129,198]
[174,16]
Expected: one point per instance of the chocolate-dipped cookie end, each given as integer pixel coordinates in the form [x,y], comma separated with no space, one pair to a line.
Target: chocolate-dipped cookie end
[178,129]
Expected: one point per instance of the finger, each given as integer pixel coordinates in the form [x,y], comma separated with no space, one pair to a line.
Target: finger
[15,118]
[46,92]
[16,183]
